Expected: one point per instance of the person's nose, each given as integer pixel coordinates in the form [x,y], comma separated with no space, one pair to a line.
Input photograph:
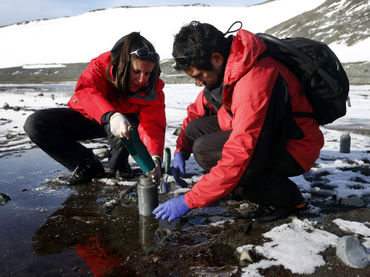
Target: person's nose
[198,82]
[143,78]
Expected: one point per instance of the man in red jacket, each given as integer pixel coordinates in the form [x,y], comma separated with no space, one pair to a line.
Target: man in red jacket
[240,128]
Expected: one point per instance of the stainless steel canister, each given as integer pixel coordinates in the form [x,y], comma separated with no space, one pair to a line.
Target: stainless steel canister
[147,193]
[345,143]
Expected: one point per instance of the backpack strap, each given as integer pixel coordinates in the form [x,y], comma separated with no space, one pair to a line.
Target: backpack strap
[306,77]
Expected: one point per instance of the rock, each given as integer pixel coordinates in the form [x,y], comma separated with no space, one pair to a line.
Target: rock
[177,131]
[6,106]
[4,198]
[250,256]
[353,201]
[10,136]
[16,108]
[245,257]
[352,252]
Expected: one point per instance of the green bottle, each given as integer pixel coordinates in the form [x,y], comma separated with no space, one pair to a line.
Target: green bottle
[138,150]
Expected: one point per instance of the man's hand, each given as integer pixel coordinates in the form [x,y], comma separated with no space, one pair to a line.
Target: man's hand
[172,209]
[178,169]
[119,125]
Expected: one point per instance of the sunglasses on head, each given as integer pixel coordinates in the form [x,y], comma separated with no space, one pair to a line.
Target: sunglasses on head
[183,62]
[146,53]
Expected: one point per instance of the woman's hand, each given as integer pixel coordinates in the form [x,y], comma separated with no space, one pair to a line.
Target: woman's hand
[157,169]
[119,125]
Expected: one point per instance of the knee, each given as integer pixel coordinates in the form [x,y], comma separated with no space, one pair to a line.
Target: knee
[192,130]
[204,158]
[189,129]
[198,147]
[33,125]
[30,125]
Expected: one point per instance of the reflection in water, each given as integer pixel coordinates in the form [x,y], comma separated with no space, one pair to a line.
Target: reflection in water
[104,237]
[147,229]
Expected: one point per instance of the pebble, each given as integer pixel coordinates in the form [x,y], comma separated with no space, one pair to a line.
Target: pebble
[4,198]
[245,257]
[352,252]
[10,136]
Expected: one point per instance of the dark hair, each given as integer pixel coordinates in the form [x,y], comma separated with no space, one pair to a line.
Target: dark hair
[198,41]
[122,60]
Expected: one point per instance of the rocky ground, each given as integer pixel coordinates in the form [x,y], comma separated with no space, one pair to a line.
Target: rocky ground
[203,243]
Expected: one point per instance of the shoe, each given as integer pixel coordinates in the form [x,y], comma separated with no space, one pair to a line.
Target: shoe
[86,171]
[267,214]
[125,172]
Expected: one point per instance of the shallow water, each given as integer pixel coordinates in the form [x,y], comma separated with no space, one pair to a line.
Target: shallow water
[49,230]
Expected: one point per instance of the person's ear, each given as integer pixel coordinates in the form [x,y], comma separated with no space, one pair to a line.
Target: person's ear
[217,59]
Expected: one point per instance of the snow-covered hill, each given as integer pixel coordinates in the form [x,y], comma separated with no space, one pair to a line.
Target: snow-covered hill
[79,38]
[343,24]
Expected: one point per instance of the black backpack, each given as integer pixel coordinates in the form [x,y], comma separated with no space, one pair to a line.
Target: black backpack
[323,79]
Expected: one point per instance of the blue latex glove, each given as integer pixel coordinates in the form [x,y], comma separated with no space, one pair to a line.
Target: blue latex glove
[172,209]
[178,169]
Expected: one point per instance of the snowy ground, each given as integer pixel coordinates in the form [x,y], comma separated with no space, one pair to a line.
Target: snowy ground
[296,245]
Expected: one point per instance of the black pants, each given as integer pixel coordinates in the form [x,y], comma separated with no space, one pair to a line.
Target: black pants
[57,132]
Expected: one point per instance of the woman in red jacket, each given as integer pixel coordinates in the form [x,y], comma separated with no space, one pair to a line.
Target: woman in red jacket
[241,128]
[118,89]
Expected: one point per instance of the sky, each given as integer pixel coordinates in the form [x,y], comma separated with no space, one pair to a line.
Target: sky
[14,11]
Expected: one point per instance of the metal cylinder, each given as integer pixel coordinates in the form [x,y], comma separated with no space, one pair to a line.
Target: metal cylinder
[164,186]
[167,159]
[345,143]
[147,193]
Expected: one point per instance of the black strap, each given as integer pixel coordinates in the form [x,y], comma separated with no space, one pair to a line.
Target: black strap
[232,25]
[302,114]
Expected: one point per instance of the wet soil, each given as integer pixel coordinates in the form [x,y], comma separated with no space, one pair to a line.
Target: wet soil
[50,229]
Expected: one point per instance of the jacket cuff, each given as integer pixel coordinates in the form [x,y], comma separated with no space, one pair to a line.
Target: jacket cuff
[106,117]
[184,153]
[157,157]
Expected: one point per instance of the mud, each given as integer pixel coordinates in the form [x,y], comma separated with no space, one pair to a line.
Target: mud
[96,231]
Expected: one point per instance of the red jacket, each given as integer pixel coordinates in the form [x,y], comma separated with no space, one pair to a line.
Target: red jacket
[95,95]
[252,81]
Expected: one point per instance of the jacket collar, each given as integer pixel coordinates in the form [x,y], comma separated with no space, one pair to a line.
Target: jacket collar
[244,52]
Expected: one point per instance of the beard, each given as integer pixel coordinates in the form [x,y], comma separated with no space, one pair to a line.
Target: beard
[219,78]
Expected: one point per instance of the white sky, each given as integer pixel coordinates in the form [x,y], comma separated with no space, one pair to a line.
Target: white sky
[14,11]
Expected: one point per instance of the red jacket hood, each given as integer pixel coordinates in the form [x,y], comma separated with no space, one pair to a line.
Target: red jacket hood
[244,52]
